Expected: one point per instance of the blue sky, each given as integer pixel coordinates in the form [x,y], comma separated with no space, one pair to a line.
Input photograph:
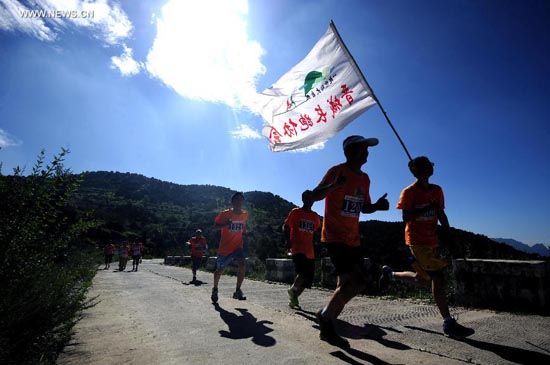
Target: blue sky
[160,88]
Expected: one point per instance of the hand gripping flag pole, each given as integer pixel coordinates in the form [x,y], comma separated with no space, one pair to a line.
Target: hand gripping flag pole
[364,80]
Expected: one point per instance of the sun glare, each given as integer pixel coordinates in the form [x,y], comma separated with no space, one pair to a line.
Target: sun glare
[203,52]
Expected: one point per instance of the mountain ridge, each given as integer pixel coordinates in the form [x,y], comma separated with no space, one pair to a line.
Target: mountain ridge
[538,248]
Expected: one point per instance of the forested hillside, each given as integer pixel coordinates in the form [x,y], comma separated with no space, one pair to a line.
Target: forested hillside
[165,215]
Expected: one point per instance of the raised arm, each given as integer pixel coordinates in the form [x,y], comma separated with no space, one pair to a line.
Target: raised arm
[381,204]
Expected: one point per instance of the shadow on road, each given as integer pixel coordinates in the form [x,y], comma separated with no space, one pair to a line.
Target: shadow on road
[245,326]
[370,359]
[369,331]
[513,354]
[307,314]
[356,332]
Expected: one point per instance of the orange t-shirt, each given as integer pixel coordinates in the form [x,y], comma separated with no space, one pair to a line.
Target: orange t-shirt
[421,231]
[137,249]
[343,205]
[302,224]
[198,245]
[124,251]
[109,249]
[231,236]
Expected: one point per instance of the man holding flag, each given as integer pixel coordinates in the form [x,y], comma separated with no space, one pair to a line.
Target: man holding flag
[308,105]
[345,189]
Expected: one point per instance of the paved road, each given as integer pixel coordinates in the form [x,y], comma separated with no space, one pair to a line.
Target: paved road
[155,316]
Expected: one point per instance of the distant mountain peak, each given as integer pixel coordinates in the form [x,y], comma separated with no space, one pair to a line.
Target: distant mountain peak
[539,248]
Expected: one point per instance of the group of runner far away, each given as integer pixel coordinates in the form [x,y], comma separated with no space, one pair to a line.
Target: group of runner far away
[124,250]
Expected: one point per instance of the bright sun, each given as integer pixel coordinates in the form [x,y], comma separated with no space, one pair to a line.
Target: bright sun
[203,52]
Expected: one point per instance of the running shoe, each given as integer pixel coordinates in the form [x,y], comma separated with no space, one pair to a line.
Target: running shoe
[293,299]
[328,333]
[214,295]
[452,328]
[238,294]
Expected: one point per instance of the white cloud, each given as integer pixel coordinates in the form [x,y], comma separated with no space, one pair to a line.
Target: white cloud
[126,63]
[6,140]
[105,19]
[11,20]
[202,51]
[245,132]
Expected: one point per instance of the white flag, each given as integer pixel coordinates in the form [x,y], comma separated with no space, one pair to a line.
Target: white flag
[317,98]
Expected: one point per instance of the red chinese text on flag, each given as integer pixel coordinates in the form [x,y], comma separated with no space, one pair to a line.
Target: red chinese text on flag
[316,99]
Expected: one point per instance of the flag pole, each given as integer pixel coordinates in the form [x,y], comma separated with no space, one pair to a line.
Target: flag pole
[358,70]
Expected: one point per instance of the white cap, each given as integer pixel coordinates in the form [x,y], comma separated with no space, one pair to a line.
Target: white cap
[359,139]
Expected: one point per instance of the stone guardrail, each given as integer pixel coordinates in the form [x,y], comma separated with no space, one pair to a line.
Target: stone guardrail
[282,270]
[208,262]
[496,284]
[279,270]
[328,278]
[503,284]
[177,260]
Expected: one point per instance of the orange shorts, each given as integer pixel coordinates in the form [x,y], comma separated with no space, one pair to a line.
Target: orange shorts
[425,261]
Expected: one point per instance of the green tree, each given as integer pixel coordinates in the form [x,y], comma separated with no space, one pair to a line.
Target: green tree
[43,271]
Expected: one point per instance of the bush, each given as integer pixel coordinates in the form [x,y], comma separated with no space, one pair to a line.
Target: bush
[44,272]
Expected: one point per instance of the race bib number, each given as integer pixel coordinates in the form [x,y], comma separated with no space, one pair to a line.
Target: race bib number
[306,226]
[236,226]
[352,206]
[427,215]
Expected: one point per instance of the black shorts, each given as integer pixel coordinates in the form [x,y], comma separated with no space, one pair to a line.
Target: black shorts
[109,258]
[304,267]
[345,258]
[197,262]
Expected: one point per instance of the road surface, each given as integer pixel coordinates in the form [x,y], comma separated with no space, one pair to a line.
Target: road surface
[154,316]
